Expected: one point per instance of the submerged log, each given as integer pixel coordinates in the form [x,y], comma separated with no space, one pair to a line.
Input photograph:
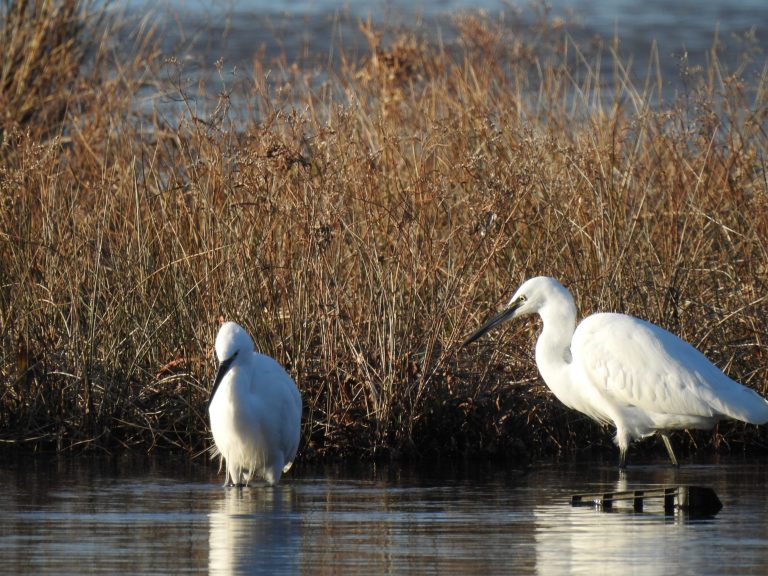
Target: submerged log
[691,500]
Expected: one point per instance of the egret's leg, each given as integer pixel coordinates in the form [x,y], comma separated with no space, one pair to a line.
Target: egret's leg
[622,440]
[272,474]
[241,480]
[235,476]
[671,452]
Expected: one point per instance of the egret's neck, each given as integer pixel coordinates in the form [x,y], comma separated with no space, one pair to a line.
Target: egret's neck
[233,385]
[553,348]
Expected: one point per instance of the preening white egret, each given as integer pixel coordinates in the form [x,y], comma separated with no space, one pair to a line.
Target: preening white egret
[622,370]
[255,410]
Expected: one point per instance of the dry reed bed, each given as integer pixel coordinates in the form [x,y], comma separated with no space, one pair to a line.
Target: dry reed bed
[359,228]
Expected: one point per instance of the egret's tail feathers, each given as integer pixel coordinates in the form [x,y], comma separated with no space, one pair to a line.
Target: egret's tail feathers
[747,406]
[758,413]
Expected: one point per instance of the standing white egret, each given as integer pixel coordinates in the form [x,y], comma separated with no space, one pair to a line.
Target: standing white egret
[255,410]
[622,370]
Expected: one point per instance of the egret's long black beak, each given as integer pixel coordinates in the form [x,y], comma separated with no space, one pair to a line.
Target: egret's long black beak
[223,367]
[494,321]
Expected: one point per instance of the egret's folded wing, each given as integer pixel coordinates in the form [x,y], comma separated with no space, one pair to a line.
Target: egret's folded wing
[634,362]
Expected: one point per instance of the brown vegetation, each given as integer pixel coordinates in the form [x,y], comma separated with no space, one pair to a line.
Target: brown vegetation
[359,227]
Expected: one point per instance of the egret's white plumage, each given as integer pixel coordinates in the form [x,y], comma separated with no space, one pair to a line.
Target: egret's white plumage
[255,410]
[622,370]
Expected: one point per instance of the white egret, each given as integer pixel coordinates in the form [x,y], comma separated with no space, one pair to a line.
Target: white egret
[255,410]
[622,370]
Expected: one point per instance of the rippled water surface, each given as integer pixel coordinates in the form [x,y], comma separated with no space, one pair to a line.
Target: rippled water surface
[166,516]
[654,37]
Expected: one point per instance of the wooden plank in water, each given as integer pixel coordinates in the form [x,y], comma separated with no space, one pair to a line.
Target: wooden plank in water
[692,500]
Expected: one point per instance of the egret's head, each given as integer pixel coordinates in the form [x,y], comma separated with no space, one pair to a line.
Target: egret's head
[231,340]
[535,293]
[531,297]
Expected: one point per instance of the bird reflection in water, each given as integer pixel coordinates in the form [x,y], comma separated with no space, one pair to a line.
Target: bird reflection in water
[254,531]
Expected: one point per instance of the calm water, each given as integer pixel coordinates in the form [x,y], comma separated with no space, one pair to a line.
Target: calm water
[235,30]
[138,517]
[209,47]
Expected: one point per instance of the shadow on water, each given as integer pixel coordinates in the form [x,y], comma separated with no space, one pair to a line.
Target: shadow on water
[169,516]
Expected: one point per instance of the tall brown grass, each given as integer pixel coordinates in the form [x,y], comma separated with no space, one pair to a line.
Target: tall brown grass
[359,227]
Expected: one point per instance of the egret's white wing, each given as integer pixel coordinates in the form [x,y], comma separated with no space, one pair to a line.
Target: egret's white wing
[281,400]
[635,363]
